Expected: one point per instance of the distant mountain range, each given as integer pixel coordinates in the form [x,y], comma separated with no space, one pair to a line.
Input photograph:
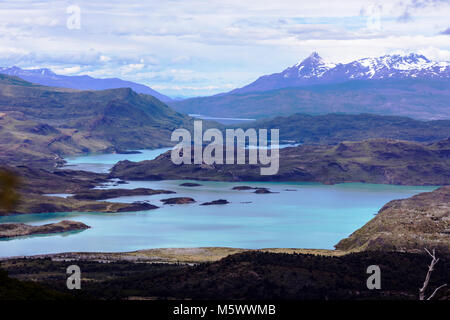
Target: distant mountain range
[410,85]
[314,70]
[331,129]
[47,77]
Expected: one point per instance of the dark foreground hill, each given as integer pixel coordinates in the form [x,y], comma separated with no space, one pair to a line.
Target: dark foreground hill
[38,122]
[249,276]
[13,289]
[371,161]
[420,99]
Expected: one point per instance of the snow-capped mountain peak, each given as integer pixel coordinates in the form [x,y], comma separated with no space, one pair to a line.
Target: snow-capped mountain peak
[314,70]
[312,59]
[399,67]
[312,66]
[16,71]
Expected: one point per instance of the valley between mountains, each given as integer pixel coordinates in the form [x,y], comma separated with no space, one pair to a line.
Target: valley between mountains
[40,125]
[389,126]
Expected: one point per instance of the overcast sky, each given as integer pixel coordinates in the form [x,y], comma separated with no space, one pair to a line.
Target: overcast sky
[201,47]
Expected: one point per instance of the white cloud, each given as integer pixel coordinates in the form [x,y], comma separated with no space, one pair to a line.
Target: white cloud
[68,70]
[105,58]
[132,67]
[198,47]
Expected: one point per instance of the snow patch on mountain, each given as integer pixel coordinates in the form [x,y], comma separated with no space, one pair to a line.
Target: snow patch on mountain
[315,70]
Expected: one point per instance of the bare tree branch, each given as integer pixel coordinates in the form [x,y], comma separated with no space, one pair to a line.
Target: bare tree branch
[437,289]
[422,290]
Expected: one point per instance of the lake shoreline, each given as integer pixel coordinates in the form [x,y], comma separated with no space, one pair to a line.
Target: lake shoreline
[250,220]
[189,255]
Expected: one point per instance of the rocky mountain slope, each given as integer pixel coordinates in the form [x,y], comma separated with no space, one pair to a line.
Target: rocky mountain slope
[372,161]
[47,77]
[422,221]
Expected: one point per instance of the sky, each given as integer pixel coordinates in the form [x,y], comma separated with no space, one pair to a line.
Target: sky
[202,47]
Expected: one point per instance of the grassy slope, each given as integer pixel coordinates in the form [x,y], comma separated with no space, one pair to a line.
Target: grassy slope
[180,255]
[40,123]
[406,225]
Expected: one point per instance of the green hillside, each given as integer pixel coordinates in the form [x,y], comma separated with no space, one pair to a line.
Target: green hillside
[38,122]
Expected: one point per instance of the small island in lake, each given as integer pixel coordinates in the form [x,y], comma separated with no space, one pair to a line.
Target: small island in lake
[178,200]
[12,230]
[220,201]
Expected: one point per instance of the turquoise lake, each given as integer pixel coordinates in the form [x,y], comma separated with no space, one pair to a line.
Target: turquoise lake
[299,215]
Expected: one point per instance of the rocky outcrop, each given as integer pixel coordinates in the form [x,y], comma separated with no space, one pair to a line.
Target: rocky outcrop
[137,206]
[190,184]
[422,221]
[178,200]
[220,201]
[258,190]
[11,230]
[243,188]
[263,191]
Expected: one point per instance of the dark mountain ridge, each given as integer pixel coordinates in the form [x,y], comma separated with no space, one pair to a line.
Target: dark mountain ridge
[416,98]
[334,128]
[49,78]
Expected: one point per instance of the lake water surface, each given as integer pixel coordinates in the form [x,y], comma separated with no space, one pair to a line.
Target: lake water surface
[102,163]
[299,215]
